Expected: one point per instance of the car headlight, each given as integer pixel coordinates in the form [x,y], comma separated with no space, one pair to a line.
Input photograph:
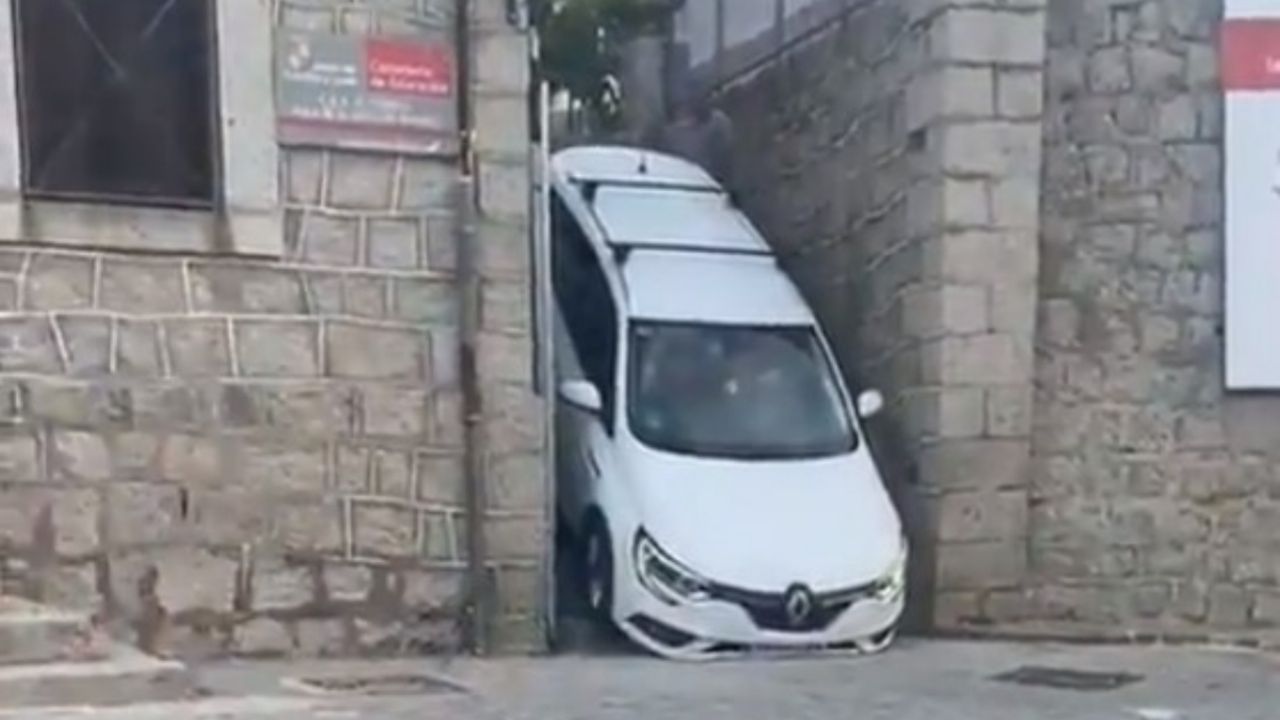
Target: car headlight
[667,579]
[893,583]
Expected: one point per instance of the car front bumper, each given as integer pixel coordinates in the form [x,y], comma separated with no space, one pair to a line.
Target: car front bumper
[718,628]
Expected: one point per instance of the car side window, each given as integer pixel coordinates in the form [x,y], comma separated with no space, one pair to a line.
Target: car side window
[582,291]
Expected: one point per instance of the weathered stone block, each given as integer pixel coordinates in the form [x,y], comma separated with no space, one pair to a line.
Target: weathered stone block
[425,300]
[506,306]
[1009,411]
[393,244]
[281,468]
[504,250]
[323,638]
[505,358]
[27,345]
[59,282]
[19,458]
[975,464]
[88,344]
[996,564]
[61,521]
[502,123]
[513,419]
[365,296]
[190,459]
[440,479]
[516,537]
[520,591]
[80,456]
[1229,607]
[504,188]
[955,609]
[377,353]
[277,349]
[502,62]
[143,514]
[384,530]
[310,528]
[427,185]
[433,590]
[391,411]
[279,586]
[347,583]
[304,176]
[442,247]
[947,310]
[975,359]
[138,349]
[394,474]
[263,638]
[442,537]
[198,348]
[996,148]
[309,411]
[185,579]
[982,35]
[975,516]
[361,181]
[517,482]
[329,239]
[223,288]
[141,287]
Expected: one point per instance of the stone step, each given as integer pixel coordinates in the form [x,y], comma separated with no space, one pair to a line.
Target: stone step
[32,633]
[124,677]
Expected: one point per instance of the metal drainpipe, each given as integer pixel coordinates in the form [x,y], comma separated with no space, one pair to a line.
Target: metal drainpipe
[479,589]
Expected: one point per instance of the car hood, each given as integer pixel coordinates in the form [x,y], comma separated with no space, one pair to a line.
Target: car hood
[765,526]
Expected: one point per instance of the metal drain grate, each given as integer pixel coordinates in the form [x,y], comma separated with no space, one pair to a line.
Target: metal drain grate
[379,685]
[1064,679]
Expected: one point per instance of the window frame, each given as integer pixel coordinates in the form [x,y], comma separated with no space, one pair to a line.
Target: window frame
[27,114]
[247,217]
[591,281]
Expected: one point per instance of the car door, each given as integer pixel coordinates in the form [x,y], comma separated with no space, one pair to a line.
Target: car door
[587,342]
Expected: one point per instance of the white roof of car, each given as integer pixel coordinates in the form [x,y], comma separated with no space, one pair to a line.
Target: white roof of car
[692,256]
[647,199]
[705,287]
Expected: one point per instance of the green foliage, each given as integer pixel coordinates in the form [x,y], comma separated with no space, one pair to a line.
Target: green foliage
[582,40]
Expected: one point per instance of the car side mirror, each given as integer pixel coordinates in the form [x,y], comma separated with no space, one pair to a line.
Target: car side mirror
[870,403]
[582,394]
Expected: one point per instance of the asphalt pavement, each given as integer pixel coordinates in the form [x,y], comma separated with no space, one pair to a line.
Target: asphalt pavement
[918,680]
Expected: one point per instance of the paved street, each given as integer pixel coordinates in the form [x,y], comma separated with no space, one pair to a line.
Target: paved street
[918,681]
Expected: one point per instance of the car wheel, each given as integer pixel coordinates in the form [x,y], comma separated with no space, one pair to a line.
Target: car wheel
[598,566]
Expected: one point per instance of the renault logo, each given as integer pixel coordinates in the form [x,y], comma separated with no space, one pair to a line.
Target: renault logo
[798,605]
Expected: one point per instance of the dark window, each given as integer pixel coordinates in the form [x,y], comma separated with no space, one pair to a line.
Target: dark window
[117,100]
[582,291]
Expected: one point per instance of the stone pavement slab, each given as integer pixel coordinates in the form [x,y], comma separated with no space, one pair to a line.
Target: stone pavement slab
[920,680]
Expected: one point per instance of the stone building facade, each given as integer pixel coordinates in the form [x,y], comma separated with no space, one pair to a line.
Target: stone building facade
[1010,216]
[255,440]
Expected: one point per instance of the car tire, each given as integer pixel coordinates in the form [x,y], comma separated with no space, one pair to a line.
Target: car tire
[598,569]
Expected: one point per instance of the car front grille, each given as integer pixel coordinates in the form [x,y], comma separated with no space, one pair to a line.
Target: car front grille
[769,610]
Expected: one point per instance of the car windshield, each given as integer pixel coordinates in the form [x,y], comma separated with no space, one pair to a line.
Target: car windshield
[736,392]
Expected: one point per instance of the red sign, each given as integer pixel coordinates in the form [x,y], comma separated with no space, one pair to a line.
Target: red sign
[1251,54]
[408,68]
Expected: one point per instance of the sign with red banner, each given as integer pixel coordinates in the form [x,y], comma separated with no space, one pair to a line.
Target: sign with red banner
[367,93]
[1250,63]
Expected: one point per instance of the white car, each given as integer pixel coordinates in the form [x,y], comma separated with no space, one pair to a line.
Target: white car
[710,460]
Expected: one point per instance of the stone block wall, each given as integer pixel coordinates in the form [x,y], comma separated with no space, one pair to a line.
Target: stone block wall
[266,456]
[892,156]
[1156,496]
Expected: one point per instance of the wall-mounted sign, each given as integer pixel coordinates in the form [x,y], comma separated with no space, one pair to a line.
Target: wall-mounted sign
[1251,79]
[368,93]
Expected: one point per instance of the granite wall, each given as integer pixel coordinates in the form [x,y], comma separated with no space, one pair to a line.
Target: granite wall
[266,455]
